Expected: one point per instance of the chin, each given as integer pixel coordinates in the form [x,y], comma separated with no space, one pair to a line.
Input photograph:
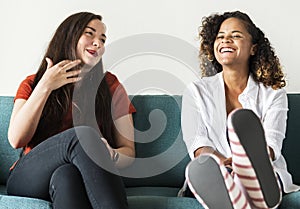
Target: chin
[89,65]
[92,63]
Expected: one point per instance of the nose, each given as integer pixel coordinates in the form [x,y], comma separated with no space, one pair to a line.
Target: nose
[226,39]
[97,43]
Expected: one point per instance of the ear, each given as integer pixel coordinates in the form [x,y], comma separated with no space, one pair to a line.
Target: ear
[253,49]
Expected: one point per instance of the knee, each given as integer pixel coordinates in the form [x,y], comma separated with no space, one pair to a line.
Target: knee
[90,139]
[64,179]
[83,132]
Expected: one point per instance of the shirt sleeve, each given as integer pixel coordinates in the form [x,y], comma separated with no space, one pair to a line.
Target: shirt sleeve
[121,104]
[194,131]
[275,120]
[25,88]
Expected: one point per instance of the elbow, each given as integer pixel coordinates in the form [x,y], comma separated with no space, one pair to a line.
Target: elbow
[14,141]
[132,153]
[13,144]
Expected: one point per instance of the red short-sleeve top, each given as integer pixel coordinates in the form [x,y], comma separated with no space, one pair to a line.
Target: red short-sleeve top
[121,105]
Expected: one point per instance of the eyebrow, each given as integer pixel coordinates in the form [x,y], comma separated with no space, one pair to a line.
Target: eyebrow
[93,29]
[234,31]
[237,31]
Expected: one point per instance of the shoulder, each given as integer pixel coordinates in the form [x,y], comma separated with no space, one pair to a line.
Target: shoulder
[29,79]
[210,80]
[25,88]
[271,95]
[113,83]
[120,101]
[270,92]
[207,84]
[111,78]
[27,82]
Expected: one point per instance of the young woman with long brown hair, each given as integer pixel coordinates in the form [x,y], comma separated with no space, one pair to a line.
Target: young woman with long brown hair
[74,123]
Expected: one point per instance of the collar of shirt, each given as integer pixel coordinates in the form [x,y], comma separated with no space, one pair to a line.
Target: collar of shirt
[249,94]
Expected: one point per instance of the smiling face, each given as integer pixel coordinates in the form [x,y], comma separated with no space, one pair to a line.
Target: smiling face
[233,45]
[90,46]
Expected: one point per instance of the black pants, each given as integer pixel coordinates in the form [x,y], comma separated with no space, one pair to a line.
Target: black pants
[72,169]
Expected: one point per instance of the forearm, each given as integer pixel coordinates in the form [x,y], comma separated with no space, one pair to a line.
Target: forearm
[25,117]
[209,150]
[124,133]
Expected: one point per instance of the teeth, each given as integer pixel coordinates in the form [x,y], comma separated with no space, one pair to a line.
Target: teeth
[226,50]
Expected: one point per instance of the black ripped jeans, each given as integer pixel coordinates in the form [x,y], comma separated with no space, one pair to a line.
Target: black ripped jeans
[72,169]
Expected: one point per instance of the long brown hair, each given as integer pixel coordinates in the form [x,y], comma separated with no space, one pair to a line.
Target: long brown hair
[264,65]
[89,95]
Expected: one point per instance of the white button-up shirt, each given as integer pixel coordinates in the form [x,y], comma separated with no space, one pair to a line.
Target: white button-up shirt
[204,118]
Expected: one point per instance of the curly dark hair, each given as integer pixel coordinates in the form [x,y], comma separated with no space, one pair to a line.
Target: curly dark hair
[264,65]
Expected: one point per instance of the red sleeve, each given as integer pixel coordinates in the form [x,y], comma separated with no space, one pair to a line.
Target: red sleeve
[25,88]
[121,105]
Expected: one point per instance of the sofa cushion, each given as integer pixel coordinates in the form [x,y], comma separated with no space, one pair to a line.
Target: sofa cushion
[8,155]
[291,201]
[152,191]
[3,190]
[156,202]
[160,151]
[15,202]
[291,144]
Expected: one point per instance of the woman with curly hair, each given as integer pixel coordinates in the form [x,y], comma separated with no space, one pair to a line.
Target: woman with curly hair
[234,118]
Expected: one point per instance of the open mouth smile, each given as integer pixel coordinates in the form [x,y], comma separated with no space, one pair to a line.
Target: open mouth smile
[226,49]
[92,52]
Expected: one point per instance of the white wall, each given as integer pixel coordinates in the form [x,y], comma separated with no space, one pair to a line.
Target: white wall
[27,26]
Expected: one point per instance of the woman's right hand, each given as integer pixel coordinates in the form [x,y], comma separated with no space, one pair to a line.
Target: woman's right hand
[228,164]
[20,131]
[60,74]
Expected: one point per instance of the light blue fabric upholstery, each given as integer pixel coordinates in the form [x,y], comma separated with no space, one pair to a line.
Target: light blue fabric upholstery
[7,154]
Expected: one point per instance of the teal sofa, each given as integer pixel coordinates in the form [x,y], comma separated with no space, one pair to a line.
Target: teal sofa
[154,180]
